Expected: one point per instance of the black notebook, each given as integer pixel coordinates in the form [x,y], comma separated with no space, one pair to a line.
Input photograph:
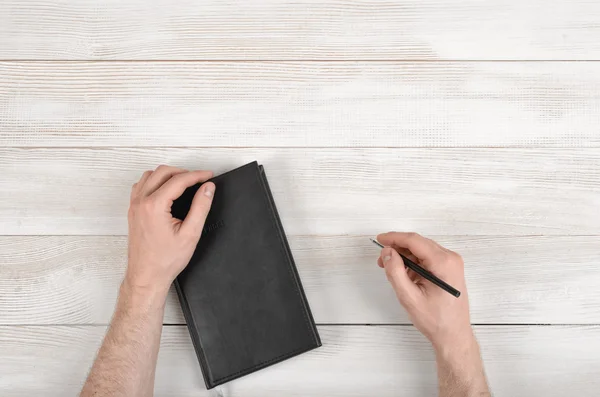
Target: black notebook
[241,294]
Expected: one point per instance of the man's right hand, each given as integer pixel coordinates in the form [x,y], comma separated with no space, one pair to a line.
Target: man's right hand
[441,317]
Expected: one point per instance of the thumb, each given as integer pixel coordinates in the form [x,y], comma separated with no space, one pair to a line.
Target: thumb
[194,221]
[405,288]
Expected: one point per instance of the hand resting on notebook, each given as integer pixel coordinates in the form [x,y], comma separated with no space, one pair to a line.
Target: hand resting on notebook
[160,246]
[441,317]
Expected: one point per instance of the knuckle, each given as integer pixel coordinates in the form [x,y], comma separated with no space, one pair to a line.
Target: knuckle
[411,236]
[392,275]
[453,258]
[178,177]
[392,280]
[134,206]
[388,274]
[148,204]
[162,167]
[439,258]
[446,259]
[135,203]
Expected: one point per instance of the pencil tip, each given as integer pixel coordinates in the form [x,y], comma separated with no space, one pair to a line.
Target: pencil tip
[377,243]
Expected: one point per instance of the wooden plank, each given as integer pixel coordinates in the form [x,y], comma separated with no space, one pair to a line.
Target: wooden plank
[354,361]
[85,191]
[315,104]
[550,280]
[305,29]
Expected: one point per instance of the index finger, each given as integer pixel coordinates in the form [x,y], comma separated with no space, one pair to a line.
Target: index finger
[175,186]
[422,247]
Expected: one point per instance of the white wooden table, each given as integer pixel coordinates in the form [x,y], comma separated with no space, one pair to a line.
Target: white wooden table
[466,120]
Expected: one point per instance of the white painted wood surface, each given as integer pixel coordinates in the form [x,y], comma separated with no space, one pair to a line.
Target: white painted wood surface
[550,280]
[299,104]
[385,361]
[304,29]
[322,191]
[369,115]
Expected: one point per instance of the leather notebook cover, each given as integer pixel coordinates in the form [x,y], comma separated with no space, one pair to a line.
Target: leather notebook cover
[241,294]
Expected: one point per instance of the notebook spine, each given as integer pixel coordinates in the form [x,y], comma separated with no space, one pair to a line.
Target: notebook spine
[191,325]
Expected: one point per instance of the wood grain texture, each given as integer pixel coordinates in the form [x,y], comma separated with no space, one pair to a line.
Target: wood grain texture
[84,191]
[551,280]
[305,29]
[315,104]
[354,361]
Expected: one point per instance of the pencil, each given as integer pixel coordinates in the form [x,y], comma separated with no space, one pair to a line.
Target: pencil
[424,273]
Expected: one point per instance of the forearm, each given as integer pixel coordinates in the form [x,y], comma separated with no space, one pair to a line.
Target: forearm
[126,362]
[460,370]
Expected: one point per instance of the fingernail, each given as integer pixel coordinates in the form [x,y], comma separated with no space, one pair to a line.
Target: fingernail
[209,190]
[386,258]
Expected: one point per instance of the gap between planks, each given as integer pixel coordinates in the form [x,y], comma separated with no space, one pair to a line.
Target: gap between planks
[481,325]
[300,60]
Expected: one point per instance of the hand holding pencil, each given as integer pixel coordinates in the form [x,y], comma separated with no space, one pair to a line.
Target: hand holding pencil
[439,315]
[424,273]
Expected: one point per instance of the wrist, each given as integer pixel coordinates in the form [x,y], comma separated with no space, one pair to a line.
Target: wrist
[463,360]
[456,348]
[143,295]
